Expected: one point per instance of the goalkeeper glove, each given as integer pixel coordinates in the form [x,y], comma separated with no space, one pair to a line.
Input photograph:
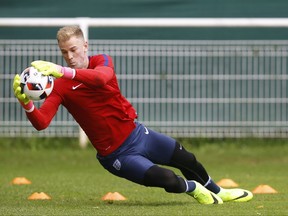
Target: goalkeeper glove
[51,69]
[26,103]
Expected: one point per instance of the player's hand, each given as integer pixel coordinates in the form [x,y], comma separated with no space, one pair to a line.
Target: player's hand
[48,68]
[18,91]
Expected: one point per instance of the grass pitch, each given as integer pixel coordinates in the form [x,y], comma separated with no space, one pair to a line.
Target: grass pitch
[76,181]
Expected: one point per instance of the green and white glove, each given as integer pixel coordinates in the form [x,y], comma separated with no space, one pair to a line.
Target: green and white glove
[26,103]
[51,69]
[18,91]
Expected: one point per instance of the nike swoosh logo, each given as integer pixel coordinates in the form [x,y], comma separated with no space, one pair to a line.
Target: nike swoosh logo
[146,130]
[242,196]
[214,198]
[75,87]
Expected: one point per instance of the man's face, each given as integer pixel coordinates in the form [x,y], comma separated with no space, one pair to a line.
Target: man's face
[74,52]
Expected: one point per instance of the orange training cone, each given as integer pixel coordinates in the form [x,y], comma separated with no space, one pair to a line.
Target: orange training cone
[227,183]
[20,181]
[264,189]
[39,196]
[113,197]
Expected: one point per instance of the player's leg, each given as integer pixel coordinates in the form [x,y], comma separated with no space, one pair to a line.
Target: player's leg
[162,149]
[160,177]
[193,169]
[159,149]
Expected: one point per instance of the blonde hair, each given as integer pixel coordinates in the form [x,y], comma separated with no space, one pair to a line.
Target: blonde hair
[67,32]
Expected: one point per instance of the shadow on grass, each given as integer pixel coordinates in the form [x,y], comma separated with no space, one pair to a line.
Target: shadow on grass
[151,204]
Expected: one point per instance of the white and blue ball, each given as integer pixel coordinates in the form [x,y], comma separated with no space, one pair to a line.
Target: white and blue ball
[36,85]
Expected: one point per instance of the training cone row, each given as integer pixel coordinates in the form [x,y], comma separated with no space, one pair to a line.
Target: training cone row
[113,197]
[261,189]
[34,196]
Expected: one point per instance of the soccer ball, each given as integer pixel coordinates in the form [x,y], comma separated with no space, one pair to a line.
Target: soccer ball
[35,85]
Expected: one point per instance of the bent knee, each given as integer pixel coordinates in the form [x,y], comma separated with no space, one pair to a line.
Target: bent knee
[164,178]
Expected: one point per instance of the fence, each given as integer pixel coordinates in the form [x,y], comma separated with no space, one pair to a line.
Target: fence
[182,88]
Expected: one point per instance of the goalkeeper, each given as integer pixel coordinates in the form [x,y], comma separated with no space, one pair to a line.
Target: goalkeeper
[89,90]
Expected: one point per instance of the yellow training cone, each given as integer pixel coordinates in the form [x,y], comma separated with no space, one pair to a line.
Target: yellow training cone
[264,189]
[39,196]
[20,181]
[227,183]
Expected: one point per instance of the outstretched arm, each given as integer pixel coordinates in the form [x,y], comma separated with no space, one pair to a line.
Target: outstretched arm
[97,77]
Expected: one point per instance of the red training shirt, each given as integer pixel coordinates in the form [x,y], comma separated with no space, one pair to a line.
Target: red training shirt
[94,99]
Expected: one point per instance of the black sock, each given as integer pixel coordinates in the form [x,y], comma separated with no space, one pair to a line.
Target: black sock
[212,186]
